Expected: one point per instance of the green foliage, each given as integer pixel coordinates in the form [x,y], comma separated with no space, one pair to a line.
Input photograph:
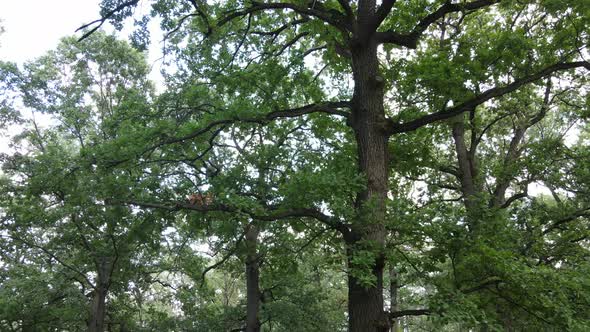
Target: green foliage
[163,188]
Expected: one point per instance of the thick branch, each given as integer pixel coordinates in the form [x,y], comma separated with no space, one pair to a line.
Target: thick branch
[335,21]
[347,9]
[514,198]
[381,14]
[410,39]
[503,181]
[273,212]
[466,177]
[470,104]
[410,312]
[327,108]
[572,217]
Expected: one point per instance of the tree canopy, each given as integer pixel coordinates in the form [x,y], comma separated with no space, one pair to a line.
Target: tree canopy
[308,166]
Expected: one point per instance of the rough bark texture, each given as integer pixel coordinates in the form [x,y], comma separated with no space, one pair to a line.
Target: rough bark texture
[252,280]
[98,307]
[98,311]
[365,303]
[466,176]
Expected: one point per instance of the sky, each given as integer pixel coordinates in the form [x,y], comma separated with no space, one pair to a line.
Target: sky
[33,27]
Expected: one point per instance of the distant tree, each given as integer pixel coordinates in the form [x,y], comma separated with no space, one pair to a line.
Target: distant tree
[56,197]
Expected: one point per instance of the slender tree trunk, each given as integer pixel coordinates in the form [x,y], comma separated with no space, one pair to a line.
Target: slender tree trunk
[252,280]
[365,302]
[393,286]
[466,176]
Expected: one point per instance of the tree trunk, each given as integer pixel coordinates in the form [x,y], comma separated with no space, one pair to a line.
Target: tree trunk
[252,280]
[466,176]
[98,307]
[365,302]
[98,311]
[393,286]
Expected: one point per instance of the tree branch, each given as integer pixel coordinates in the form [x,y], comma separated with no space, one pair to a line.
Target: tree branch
[381,14]
[104,18]
[223,259]
[410,312]
[51,255]
[335,21]
[572,217]
[273,212]
[327,107]
[514,198]
[410,39]
[470,104]
[492,281]
[347,9]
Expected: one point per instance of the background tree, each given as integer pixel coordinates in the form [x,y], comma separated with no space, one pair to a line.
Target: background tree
[55,194]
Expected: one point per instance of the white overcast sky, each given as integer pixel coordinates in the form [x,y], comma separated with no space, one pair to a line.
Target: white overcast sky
[32,27]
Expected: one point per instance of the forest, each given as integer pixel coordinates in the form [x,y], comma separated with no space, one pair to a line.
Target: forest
[305,165]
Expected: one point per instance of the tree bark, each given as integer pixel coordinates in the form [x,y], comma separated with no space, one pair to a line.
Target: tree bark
[394,306]
[98,311]
[466,176]
[252,280]
[98,306]
[365,302]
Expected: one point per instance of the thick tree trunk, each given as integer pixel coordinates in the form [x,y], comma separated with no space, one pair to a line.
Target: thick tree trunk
[252,280]
[365,302]
[98,311]
[98,306]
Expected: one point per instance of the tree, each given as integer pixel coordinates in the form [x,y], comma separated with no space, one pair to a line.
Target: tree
[410,65]
[55,198]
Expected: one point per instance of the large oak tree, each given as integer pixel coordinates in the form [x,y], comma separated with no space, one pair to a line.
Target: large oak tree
[365,74]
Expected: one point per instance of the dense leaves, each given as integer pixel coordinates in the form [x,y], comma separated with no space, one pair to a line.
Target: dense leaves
[298,151]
